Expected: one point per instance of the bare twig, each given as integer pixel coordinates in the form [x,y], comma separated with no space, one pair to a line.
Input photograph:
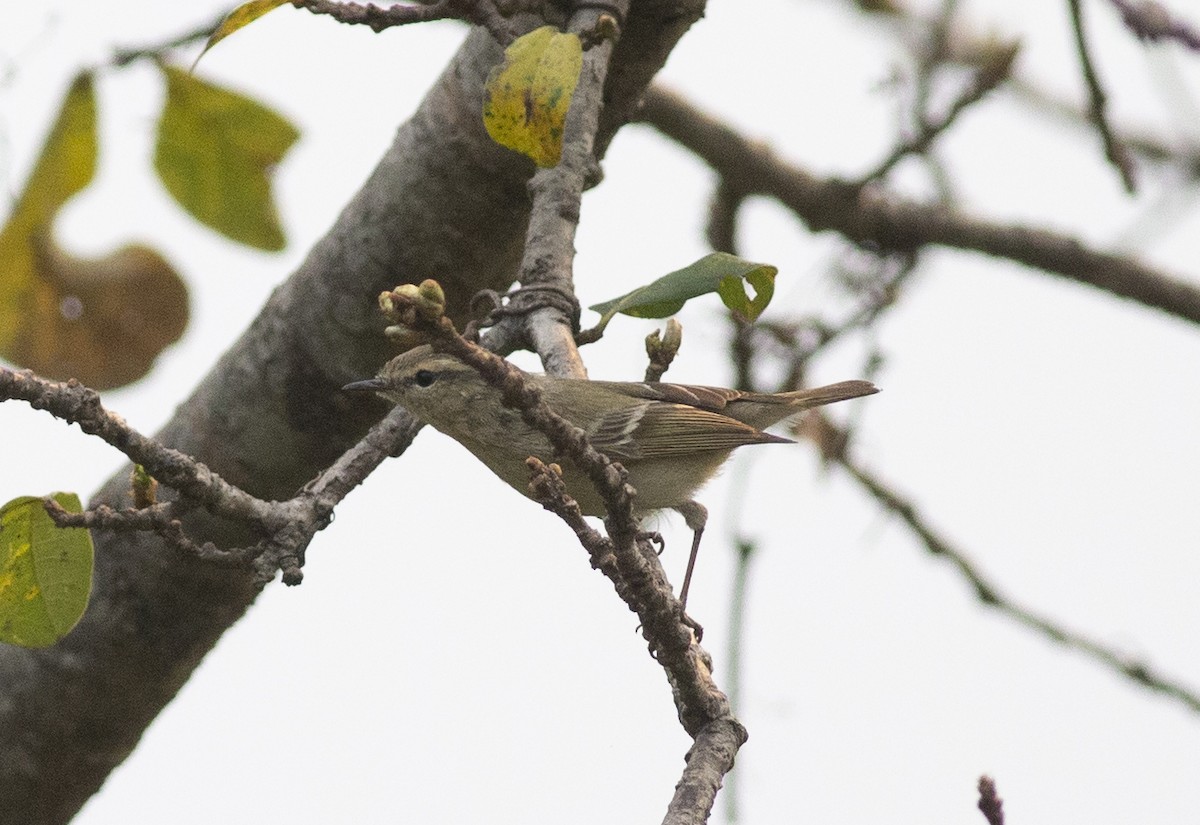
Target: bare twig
[1114,150]
[287,527]
[160,519]
[640,579]
[932,50]
[76,404]
[891,222]
[1147,146]
[1151,21]
[547,486]
[970,48]
[123,57]
[990,802]
[721,229]
[661,349]
[554,218]
[480,12]
[986,77]
[832,441]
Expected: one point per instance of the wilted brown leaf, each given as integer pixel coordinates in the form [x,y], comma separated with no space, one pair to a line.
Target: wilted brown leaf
[101,320]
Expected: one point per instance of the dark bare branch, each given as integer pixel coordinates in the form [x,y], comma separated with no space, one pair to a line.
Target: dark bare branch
[269,417]
[985,78]
[990,802]
[545,325]
[480,12]
[1151,21]
[642,582]
[1114,150]
[833,441]
[888,221]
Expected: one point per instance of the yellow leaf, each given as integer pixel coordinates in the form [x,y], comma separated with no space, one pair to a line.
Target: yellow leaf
[66,165]
[527,96]
[214,154]
[243,15]
[102,321]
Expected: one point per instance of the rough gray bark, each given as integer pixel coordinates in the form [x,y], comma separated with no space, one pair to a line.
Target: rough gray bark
[444,202]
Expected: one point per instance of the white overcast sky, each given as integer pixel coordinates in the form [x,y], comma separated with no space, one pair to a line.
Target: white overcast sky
[455,676]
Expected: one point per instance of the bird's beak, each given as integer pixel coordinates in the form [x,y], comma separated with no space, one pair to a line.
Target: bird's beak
[370,385]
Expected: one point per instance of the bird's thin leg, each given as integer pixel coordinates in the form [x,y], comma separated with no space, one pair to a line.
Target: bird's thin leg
[695,516]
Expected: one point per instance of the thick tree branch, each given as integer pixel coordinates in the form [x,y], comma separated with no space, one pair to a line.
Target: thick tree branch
[444,201]
[894,223]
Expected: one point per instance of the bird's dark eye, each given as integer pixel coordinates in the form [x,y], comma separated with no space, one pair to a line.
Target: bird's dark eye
[424,378]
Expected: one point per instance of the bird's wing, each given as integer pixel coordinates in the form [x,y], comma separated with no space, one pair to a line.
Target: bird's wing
[612,433]
[713,399]
[629,420]
[661,430]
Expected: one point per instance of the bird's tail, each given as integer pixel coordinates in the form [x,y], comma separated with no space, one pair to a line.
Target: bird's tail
[820,396]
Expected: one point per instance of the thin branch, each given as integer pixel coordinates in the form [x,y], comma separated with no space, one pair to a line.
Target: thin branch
[1114,150]
[547,265]
[123,57]
[891,222]
[546,484]
[387,439]
[832,441]
[661,349]
[640,579]
[721,229]
[1151,21]
[985,78]
[1147,146]
[479,12]
[287,527]
[76,404]
[160,519]
[708,761]
[931,51]
[970,48]
[990,802]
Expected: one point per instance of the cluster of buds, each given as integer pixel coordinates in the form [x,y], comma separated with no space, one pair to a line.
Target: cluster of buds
[414,311]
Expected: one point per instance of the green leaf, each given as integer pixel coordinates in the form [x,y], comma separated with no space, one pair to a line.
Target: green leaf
[527,97]
[101,320]
[243,15]
[719,272]
[734,295]
[215,152]
[45,572]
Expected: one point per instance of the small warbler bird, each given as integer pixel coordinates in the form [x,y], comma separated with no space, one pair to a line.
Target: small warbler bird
[671,438]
